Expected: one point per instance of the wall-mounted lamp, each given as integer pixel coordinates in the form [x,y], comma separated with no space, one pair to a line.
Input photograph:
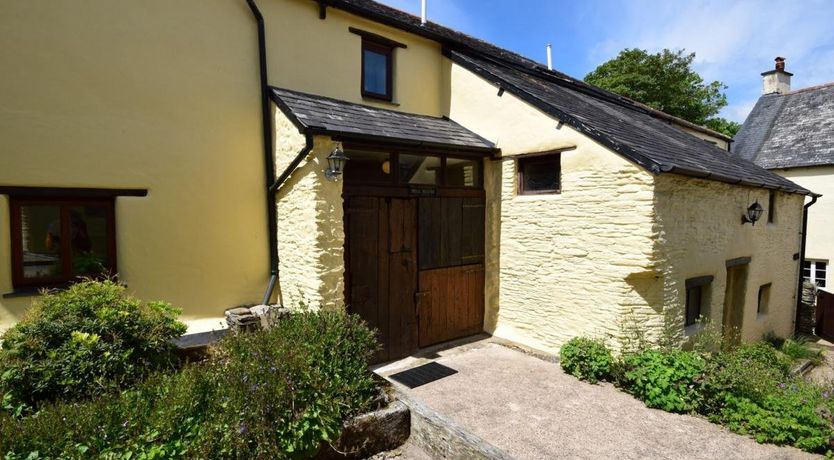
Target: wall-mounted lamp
[754,213]
[336,162]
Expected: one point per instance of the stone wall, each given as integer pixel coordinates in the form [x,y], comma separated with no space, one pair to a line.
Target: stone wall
[699,228]
[310,223]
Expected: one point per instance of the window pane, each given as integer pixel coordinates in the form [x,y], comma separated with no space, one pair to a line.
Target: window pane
[376,72]
[693,305]
[463,173]
[89,240]
[540,174]
[419,170]
[41,241]
[364,167]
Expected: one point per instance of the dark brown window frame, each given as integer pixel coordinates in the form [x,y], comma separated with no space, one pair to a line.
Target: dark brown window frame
[388,51]
[441,188]
[701,283]
[19,282]
[523,161]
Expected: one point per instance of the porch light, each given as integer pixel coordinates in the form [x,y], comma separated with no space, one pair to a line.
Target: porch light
[336,162]
[754,212]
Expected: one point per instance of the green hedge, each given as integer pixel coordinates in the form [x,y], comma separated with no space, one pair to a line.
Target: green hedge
[278,393]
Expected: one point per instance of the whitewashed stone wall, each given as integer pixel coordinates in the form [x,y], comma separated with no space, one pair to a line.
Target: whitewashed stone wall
[699,229]
[310,223]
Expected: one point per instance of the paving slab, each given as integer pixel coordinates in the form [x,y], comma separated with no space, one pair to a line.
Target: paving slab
[530,409]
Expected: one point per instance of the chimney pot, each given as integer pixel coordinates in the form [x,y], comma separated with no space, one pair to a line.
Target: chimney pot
[780,63]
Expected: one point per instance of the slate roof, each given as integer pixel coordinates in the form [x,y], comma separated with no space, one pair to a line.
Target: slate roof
[639,133]
[317,114]
[790,130]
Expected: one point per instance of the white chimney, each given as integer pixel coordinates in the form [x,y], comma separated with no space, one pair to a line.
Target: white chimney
[777,80]
[549,57]
[423,12]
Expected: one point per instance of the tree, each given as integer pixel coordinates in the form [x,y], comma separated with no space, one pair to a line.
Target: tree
[667,82]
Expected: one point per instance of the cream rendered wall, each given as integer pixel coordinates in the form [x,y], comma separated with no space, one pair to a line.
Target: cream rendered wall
[154,94]
[322,57]
[699,229]
[164,95]
[310,223]
[820,242]
[557,265]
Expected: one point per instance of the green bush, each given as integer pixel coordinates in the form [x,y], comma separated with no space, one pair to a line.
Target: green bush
[795,413]
[586,359]
[85,340]
[279,393]
[665,380]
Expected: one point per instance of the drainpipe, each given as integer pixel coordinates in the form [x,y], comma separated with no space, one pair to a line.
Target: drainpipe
[802,256]
[269,157]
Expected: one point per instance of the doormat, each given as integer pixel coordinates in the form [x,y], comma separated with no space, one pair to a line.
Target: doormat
[422,375]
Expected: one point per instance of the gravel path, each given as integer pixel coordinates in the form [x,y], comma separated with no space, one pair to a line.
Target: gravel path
[530,409]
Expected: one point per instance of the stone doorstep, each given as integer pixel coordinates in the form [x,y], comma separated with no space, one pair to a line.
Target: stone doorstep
[442,438]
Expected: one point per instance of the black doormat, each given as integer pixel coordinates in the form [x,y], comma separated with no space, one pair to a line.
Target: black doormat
[422,375]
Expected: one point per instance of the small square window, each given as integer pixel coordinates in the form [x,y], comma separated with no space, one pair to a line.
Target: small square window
[764,299]
[377,69]
[539,174]
[815,271]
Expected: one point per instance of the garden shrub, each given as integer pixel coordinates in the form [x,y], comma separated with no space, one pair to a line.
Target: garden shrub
[87,339]
[795,413]
[586,359]
[278,393]
[797,348]
[665,380]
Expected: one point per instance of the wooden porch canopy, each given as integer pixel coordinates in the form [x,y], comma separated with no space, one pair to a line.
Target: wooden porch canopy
[347,121]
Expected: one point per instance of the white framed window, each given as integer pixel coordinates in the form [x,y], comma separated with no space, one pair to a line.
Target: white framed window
[815,271]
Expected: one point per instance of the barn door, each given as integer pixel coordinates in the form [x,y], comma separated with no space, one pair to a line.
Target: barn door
[381,262]
[450,300]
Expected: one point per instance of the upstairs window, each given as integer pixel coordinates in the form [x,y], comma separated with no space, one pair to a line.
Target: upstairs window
[771,207]
[540,174]
[815,271]
[56,241]
[377,70]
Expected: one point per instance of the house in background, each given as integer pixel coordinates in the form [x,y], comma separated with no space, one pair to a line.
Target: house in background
[791,132]
[197,148]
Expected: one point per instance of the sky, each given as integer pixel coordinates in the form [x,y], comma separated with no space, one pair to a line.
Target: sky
[734,40]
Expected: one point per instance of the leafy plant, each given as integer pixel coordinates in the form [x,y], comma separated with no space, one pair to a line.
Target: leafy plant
[88,339]
[665,380]
[279,393]
[798,348]
[586,359]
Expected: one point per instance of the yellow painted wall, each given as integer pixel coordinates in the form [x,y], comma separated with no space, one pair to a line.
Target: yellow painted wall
[699,229]
[153,94]
[322,57]
[820,244]
[310,223]
[163,95]
[557,265]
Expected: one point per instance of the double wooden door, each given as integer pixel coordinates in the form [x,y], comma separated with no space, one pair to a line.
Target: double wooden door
[415,269]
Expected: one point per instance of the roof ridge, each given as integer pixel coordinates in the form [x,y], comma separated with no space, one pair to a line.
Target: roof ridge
[809,88]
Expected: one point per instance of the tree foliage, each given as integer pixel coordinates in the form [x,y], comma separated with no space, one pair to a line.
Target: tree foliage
[667,82]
